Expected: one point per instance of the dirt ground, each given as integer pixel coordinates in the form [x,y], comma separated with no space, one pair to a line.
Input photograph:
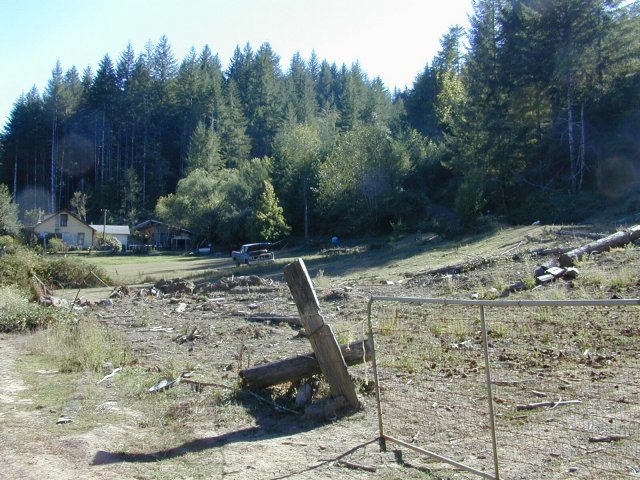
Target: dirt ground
[215,429]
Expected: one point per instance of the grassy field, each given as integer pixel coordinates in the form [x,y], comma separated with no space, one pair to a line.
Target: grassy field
[136,269]
[361,258]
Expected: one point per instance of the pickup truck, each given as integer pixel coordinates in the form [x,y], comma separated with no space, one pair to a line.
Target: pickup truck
[253,252]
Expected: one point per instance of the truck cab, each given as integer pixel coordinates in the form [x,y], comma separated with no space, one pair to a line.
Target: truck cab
[253,252]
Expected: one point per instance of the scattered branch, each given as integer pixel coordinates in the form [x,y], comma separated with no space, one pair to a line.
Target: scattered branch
[356,466]
[533,406]
[107,377]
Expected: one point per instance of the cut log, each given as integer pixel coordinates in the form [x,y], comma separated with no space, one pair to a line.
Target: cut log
[296,368]
[616,240]
[321,336]
[578,233]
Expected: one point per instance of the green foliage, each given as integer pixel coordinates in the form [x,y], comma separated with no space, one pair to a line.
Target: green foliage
[130,193]
[9,223]
[204,151]
[194,205]
[16,265]
[69,272]
[470,198]
[79,205]
[269,223]
[56,245]
[82,345]
[108,242]
[359,176]
[18,314]
[544,99]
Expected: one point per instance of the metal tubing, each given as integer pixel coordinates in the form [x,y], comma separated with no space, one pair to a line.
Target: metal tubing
[487,367]
[374,364]
[441,458]
[511,303]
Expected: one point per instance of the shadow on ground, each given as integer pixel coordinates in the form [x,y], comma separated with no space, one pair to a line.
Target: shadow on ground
[270,423]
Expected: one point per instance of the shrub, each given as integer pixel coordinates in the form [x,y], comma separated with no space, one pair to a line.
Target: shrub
[108,242]
[16,264]
[69,272]
[17,314]
[56,245]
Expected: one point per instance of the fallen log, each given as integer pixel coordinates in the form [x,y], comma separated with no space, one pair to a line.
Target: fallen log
[618,239]
[296,368]
[578,233]
[457,268]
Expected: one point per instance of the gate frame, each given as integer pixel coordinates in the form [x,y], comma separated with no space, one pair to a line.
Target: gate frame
[474,303]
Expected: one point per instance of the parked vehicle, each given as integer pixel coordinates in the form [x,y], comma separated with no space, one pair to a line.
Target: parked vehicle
[253,252]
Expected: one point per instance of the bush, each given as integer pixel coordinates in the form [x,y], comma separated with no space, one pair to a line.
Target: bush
[55,245]
[69,272]
[8,245]
[108,242]
[16,264]
[17,314]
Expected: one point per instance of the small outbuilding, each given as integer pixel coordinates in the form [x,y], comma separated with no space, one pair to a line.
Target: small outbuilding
[121,232]
[161,235]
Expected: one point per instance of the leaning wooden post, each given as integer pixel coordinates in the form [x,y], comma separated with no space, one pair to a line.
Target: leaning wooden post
[323,341]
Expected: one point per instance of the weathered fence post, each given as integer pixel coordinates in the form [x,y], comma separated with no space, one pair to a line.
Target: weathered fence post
[323,341]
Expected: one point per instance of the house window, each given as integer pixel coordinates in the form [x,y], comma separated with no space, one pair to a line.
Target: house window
[80,242]
[64,218]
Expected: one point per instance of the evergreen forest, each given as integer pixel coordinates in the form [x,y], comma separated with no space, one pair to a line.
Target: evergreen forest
[533,113]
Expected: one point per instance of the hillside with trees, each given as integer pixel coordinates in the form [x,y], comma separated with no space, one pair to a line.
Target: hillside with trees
[533,113]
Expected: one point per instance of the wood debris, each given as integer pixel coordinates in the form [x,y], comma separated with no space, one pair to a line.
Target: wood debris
[356,466]
[533,406]
[107,377]
[608,438]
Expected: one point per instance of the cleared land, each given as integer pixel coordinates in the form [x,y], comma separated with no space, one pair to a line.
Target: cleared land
[217,430]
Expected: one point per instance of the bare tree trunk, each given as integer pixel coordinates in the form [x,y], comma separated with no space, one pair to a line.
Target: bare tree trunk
[52,180]
[572,154]
[15,177]
[581,150]
[102,147]
[96,158]
[144,168]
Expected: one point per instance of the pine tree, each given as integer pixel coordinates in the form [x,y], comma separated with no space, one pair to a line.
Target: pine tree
[301,90]
[264,100]
[235,144]
[103,99]
[269,223]
[204,151]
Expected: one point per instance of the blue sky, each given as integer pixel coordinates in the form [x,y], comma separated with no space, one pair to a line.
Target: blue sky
[392,39]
